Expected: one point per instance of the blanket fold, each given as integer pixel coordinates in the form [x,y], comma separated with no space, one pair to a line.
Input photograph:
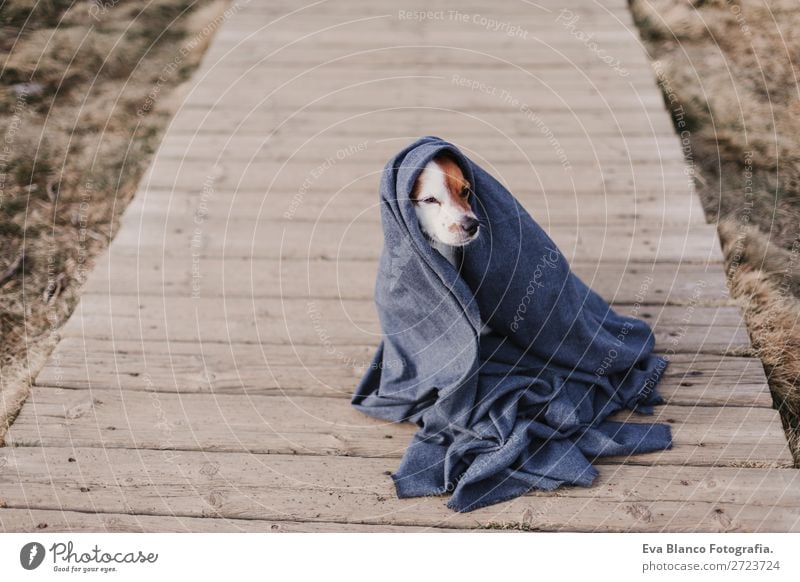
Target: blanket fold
[525,406]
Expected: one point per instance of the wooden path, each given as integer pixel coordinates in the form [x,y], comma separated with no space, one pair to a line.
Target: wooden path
[203,383]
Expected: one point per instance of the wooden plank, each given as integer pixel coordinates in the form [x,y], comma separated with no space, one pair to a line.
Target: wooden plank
[50,521]
[317,10]
[429,119]
[119,274]
[319,13]
[319,202]
[181,367]
[357,490]
[614,25]
[504,72]
[533,149]
[341,73]
[289,176]
[214,235]
[340,322]
[401,33]
[337,75]
[342,38]
[444,91]
[705,435]
[353,100]
[320,16]
[423,53]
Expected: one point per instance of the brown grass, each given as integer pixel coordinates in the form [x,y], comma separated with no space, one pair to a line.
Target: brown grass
[731,69]
[85,96]
[761,277]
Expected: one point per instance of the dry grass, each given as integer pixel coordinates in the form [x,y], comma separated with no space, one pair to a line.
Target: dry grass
[762,276]
[731,68]
[85,95]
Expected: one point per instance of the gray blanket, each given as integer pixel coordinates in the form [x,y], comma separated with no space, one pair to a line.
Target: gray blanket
[525,406]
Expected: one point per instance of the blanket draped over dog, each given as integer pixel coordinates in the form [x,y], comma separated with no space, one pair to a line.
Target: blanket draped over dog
[524,407]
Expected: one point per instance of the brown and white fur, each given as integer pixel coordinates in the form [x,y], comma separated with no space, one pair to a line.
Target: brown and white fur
[441,199]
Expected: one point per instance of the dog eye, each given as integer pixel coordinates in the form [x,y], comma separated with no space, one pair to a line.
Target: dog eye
[430,200]
[464,192]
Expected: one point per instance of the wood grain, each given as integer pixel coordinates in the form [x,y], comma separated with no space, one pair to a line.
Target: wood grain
[358,490]
[331,426]
[157,366]
[657,283]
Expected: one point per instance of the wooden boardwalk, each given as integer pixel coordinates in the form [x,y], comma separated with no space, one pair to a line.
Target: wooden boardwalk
[203,383]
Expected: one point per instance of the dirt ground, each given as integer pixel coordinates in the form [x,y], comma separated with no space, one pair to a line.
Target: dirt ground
[729,73]
[86,90]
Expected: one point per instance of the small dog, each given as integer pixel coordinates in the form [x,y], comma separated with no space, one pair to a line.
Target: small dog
[441,198]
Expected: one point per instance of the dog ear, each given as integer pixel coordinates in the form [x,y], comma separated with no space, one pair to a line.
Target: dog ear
[449,156]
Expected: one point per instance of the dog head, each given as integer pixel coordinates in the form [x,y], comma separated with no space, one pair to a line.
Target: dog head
[441,198]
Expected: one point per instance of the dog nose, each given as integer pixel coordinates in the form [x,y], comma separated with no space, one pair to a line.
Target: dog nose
[470,226]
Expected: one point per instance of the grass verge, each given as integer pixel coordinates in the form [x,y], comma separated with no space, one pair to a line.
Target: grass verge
[87,89]
[728,70]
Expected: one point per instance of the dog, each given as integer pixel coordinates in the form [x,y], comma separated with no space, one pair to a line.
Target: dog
[442,201]
[441,198]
